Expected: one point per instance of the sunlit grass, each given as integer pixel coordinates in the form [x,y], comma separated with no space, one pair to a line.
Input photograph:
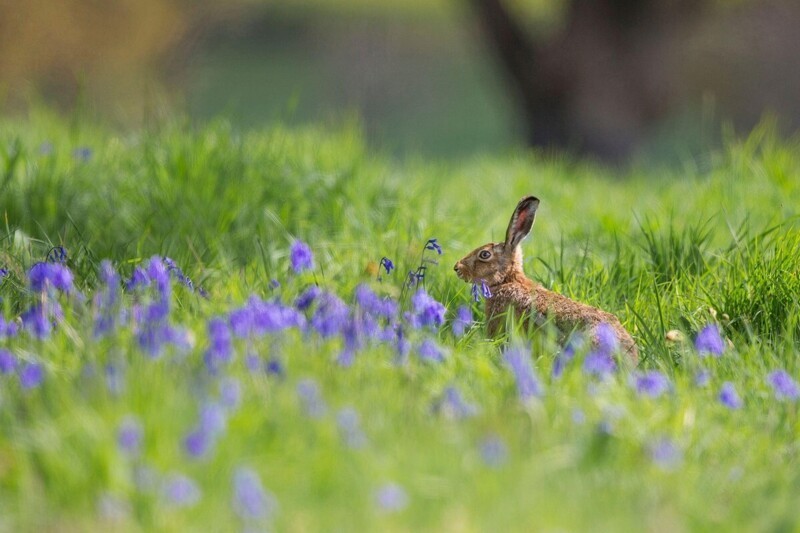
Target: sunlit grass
[664,250]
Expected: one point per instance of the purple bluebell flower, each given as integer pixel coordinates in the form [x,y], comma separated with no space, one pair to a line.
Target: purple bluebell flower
[311,398]
[301,257]
[391,498]
[783,385]
[130,436]
[241,322]
[349,424]
[566,355]
[493,451]
[709,341]
[252,362]
[139,278]
[307,297]
[273,316]
[107,314]
[702,378]
[115,378]
[652,383]
[387,264]
[158,273]
[197,443]
[274,367]
[230,393]
[176,271]
[462,321]
[452,405]
[429,351]
[665,453]
[250,500]
[181,491]
[729,397]
[402,346]
[606,339]
[330,316]
[46,148]
[578,416]
[433,245]
[43,276]
[220,349]
[31,375]
[518,361]
[82,154]
[427,311]
[481,289]
[213,419]
[346,358]
[8,329]
[8,363]
[599,363]
[57,254]
[3,273]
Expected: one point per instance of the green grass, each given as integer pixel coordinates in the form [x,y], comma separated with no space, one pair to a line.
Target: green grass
[663,249]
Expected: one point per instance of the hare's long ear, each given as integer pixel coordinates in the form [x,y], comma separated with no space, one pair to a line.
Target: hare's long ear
[521,222]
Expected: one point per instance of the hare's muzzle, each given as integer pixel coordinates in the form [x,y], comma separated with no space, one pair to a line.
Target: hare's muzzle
[458,268]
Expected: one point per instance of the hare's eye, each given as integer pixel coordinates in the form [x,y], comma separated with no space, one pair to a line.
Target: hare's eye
[485,254]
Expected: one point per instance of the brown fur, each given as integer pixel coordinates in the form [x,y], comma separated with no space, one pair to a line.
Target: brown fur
[512,290]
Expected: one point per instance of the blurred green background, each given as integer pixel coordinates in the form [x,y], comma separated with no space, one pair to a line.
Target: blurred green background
[420,77]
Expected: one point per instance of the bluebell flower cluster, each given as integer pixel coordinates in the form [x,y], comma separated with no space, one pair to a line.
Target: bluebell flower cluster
[301,257]
[518,360]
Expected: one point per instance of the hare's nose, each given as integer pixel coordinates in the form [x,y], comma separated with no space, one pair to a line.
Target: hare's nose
[456,266]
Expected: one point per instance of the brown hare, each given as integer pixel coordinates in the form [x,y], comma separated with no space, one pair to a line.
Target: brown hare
[499,265]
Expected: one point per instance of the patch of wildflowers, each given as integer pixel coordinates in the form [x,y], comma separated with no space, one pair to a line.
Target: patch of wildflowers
[783,385]
[250,500]
[729,397]
[31,375]
[37,322]
[330,316]
[651,383]
[518,361]
[709,341]
[307,297]
[139,278]
[301,257]
[427,311]
[43,276]
[391,498]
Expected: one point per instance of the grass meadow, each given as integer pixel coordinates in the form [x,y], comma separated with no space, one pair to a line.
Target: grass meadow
[263,395]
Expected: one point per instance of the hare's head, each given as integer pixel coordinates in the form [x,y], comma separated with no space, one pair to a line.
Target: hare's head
[498,262]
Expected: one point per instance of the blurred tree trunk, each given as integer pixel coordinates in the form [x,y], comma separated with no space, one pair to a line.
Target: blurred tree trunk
[598,83]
